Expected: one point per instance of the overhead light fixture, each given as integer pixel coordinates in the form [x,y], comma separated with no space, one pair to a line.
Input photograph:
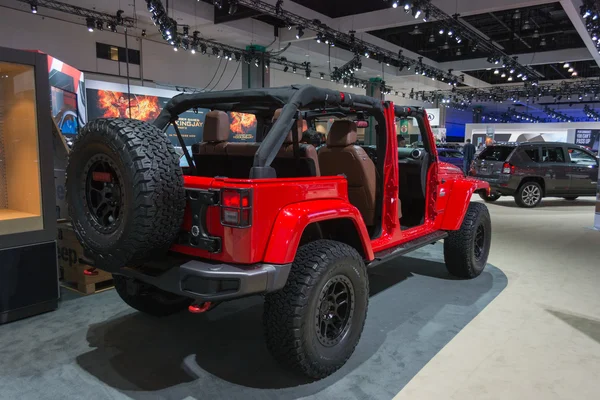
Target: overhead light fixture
[416,12]
[33,4]
[445,46]
[458,52]
[517,15]
[307,73]
[519,75]
[574,73]
[512,71]
[510,78]
[458,39]
[99,25]
[90,22]
[416,31]
[174,48]
[294,70]
[426,17]
[367,54]
[503,75]
[143,33]
[300,32]
[543,42]
[566,65]
[431,38]
[536,34]
[232,7]
[450,32]
[286,68]
[496,71]
[407,6]
[441,32]
[526,26]
[571,69]
[395,4]
[322,75]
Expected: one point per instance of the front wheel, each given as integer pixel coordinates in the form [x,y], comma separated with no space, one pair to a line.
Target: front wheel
[529,195]
[315,322]
[466,250]
[489,198]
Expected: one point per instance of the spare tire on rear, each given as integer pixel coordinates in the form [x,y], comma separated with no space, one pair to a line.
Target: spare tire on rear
[125,192]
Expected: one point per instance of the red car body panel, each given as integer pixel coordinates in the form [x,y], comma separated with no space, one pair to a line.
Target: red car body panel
[282,208]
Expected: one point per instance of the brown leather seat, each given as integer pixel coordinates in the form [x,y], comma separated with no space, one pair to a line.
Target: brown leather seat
[341,156]
[210,156]
[286,165]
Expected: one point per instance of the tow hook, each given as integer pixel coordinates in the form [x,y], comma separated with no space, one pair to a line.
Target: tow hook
[199,308]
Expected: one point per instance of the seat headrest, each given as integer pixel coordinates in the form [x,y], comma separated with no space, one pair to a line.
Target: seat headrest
[342,133]
[290,139]
[216,126]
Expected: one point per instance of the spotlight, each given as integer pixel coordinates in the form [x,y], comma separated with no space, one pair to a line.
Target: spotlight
[143,33]
[294,69]
[34,6]
[307,73]
[441,32]
[566,65]
[256,62]
[458,52]
[512,71]
[300,32]
[450,32]
[510,78]
[218,3]
[416,12]
[232,7]
[432,38]
[571,69]
[203,48]
[406,6]
[322,75]
[319,37]
[395,4]
[587,14]
[458,39]
[174,48]
[286,68]
[112,26]
[90,22]
[519,75]
[367,54]
[536,34]
[574,73]
[543,42]
[99,25]
[503,75]
[496,71]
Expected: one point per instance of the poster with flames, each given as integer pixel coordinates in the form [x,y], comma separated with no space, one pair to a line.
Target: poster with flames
[107,104]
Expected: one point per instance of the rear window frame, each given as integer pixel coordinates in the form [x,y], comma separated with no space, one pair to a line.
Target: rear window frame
[489,148]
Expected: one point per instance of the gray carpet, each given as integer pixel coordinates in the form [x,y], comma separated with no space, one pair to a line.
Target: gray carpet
[96,347]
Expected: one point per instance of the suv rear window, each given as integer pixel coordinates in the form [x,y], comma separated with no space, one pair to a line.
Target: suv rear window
[533,154]
[496,153]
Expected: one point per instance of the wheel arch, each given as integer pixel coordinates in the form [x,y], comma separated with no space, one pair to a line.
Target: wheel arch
[537,179]
[304,222]
[460,196]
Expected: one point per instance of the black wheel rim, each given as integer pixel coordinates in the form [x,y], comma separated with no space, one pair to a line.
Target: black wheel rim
[479,242]
[335,310]
[103,193]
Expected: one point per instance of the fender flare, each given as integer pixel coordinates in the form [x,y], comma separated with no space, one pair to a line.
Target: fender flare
[458,203]
[293,219]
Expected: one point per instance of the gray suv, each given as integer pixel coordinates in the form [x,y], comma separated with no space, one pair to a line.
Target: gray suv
[532,170]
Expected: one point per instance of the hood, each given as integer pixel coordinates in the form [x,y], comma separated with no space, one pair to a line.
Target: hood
[449,169]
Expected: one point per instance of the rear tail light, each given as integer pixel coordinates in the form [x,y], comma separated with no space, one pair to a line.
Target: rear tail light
[236,208]
[507,168]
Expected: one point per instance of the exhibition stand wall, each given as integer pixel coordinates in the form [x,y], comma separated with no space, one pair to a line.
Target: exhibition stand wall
[28,270]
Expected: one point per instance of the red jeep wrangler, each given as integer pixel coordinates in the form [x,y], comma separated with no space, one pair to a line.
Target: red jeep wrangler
[275,218]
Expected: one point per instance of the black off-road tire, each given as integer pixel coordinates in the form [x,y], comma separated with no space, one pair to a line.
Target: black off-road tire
[149,299]
[291,315]
[146,192]
[465,252]
[521,197]
[571,198]
[489,198]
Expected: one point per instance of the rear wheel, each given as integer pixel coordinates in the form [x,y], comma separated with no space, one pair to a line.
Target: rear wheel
[571,198]
[489,198]
[149,299]
[315,322]
[466,250]
[529,195]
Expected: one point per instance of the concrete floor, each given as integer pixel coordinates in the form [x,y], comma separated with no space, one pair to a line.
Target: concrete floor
[526,329]
[540,338]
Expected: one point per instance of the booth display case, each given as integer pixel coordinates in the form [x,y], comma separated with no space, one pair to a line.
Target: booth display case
[28,266]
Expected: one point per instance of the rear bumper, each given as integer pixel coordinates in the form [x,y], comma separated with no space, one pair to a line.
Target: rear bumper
[216,282]
[505,185]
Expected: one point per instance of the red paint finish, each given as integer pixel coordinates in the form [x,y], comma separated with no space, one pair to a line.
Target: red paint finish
[281,208]
[292,220]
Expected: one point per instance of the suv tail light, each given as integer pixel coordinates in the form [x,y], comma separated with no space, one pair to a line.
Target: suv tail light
[507,168]
[236,208]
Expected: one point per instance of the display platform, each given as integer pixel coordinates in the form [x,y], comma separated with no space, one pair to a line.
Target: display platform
[97,346]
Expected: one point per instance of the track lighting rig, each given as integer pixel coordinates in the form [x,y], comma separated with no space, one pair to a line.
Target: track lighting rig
[330,36]
[94,19]
[180,37]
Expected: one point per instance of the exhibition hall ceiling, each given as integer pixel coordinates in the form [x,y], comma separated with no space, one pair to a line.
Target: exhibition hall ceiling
[541,34]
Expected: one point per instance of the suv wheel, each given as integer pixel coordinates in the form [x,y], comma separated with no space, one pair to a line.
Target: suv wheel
[315,322]
[489,198]
[149,299]
[529,195]
[466,250]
